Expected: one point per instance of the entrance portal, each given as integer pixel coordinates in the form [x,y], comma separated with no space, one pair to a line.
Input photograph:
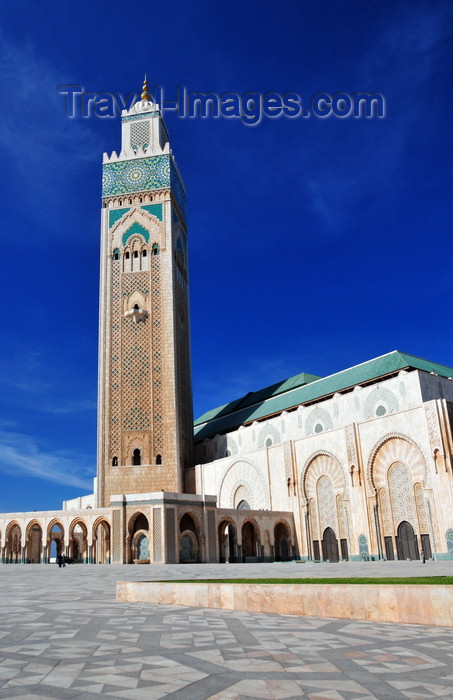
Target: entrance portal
[330,545]
[406,542]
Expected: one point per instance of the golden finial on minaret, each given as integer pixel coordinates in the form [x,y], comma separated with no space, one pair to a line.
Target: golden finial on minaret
[145,93]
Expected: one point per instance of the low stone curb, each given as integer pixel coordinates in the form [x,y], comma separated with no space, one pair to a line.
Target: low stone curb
[411,603]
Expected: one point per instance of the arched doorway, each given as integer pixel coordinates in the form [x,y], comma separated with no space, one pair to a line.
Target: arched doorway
[78,542]
[282,542]
[139,539]
[249,542]
[406,542]
[188,540]
[33,545]
[227,542]
[13,545]
[330,546]
[101,542]
[55,541]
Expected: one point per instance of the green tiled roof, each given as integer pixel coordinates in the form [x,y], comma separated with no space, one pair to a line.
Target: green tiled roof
[306,388]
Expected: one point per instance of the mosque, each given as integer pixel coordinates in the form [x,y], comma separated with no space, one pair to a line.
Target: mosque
[353,466]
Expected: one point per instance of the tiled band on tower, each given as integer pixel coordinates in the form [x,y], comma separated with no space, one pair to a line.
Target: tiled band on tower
[145,401]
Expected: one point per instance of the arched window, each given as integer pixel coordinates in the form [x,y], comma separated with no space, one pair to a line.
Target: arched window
[116,254]
[144,253]
[243,505]
[115,462]
[126,255]
[136,457]
[130,201]
[155,250]
[136,307]
[135,253]
[158,459]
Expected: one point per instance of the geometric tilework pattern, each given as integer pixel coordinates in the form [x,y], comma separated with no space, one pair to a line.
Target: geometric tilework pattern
[135,117]
[136,175]
[115,364]
[401,495]
[390,450]
[63,635]
[351,445]
[157,533]
[156,360]
[287,456]
[140,134]
[386,513]
[422,511]
[135,370]
[321,464]
[313,520]
[432,420]
[342,518]
[141,175]
[116,526]
[326,504]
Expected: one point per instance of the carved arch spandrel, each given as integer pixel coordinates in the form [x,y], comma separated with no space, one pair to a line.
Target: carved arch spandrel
[390,449]
[318,465]
[244,473]
[148,221]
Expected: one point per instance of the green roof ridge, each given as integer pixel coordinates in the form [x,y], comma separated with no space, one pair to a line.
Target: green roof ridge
[267,402]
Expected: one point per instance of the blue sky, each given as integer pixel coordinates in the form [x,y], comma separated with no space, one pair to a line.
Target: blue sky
[315,244]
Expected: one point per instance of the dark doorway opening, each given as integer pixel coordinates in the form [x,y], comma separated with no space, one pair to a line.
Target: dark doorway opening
[389,554]
[426,546]
[406,542]
[330,546]
[344,550]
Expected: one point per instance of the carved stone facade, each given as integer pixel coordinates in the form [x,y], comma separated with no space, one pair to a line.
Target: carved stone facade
[350,466]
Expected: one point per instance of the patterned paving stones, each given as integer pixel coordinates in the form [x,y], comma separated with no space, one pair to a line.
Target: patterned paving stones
[63,635]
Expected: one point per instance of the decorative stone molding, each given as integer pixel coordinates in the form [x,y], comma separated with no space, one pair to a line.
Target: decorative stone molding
[432,420]
[319,464]
[395,447]
[243,472]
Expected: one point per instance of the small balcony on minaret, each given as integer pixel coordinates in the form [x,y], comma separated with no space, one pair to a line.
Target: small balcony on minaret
[136,314]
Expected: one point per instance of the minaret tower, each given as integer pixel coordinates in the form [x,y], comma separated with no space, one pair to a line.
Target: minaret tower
[145,423]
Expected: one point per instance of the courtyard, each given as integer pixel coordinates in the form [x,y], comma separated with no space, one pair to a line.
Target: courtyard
[63,635]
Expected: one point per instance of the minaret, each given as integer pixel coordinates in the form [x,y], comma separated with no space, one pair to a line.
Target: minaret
[145,423]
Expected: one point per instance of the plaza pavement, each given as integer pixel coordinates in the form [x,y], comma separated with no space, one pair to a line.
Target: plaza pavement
[63,635]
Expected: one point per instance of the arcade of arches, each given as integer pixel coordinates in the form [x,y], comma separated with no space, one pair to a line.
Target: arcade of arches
[41,541]
[239,536]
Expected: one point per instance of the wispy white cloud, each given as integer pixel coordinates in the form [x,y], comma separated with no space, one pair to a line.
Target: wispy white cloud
[21,454]
[62,407]
[45,150]
[27,379]
[33,120]
[402,61]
